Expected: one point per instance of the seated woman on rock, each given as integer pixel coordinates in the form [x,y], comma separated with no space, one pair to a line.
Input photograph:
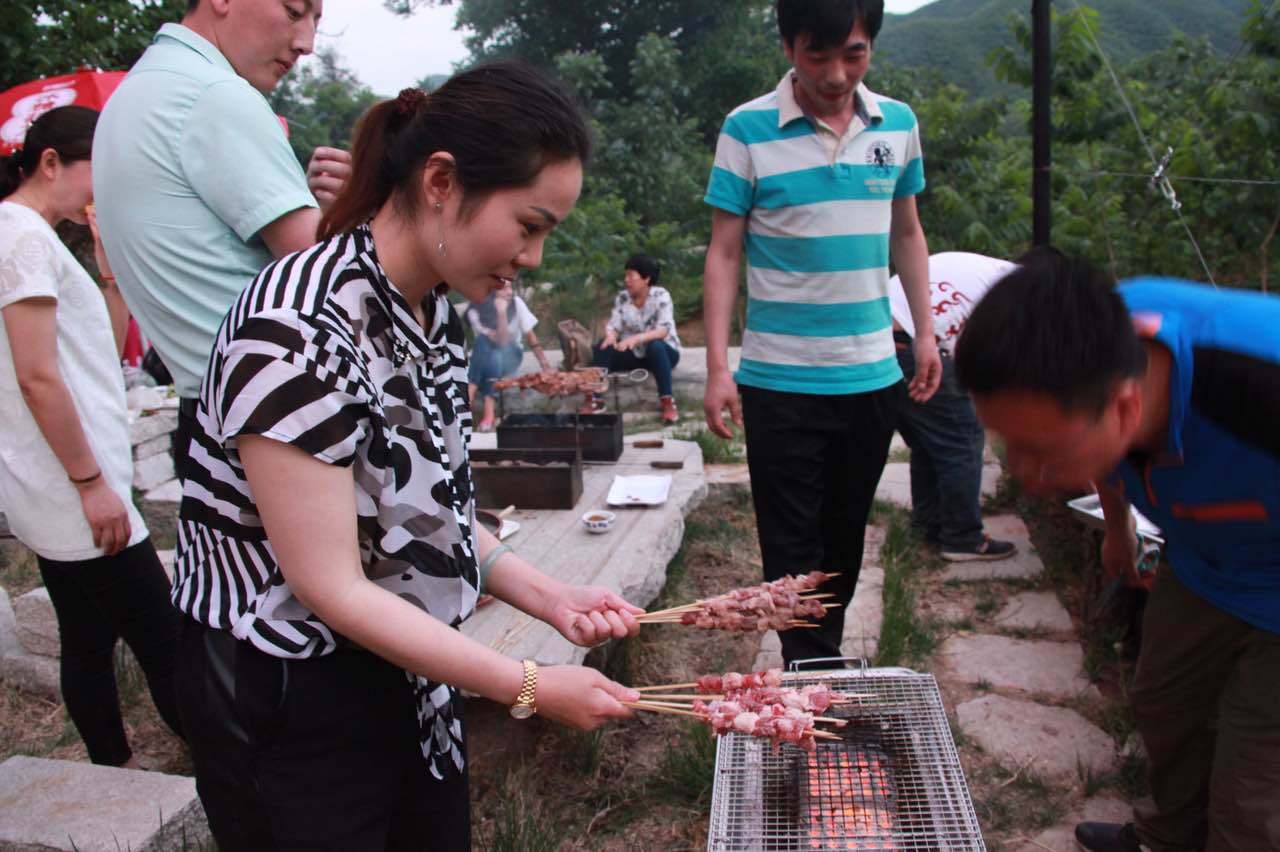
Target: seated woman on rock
[641,334]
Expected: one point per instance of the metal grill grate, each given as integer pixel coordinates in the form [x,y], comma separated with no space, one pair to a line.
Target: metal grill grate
[893,782]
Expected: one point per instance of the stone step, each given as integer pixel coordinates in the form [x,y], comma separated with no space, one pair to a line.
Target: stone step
[148,427]
[1035,611]
[166,492]
[37,623]
[1050,742]
[1023,565]
[60,804]
[895,483]
[1032,665]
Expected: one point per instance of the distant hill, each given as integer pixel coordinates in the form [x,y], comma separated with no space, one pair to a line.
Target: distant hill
[955,36]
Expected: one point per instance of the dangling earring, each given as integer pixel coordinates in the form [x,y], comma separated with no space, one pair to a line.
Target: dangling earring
[441,248]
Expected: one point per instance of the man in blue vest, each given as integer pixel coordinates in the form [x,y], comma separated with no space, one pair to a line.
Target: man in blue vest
[816,182]
[1166,396]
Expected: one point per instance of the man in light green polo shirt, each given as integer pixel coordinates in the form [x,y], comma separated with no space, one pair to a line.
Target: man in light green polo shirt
[195,185]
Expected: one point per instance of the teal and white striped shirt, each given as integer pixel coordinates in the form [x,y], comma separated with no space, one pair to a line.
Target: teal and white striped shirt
[817,238]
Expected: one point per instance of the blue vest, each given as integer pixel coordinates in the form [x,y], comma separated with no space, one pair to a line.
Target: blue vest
[1215,490]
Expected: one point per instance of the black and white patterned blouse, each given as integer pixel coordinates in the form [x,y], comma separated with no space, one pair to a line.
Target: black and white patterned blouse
[323,353]
[658,312]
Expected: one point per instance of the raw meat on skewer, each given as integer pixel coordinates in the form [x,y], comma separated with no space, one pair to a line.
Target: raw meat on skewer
[777,605]
[557,382]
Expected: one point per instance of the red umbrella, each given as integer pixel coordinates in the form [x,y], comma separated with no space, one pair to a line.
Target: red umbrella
[23,104]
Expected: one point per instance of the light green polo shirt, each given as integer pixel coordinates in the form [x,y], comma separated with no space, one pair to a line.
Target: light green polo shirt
[189,164]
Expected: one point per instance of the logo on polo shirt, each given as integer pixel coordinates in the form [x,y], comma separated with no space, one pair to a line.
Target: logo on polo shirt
[880,158]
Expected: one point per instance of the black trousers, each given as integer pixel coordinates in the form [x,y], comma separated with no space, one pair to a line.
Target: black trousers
[317,754]
[181,437]
[815,462]
[98,602]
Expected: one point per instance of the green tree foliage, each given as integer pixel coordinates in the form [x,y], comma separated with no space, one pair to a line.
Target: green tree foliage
[658,88]
[43,38]
[321,102]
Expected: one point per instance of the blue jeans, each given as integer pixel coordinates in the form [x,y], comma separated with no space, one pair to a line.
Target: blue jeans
[659,359]
[946,443]
[490,361]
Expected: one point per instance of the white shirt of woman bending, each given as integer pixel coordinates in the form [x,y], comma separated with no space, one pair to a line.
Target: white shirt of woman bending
[42,506]
[519,325]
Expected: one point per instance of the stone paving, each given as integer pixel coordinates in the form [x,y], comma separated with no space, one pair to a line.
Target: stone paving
[62,804]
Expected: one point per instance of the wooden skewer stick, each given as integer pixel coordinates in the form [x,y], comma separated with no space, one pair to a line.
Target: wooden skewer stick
[660,708]
[822,735]
[669,687]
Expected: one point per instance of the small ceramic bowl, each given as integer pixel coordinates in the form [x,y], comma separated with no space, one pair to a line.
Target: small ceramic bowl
[598,521]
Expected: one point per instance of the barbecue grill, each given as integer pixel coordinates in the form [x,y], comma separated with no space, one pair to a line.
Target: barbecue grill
[892,782]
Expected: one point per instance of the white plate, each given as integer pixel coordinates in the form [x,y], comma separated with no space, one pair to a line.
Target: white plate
[1089,510]
[639,490]
[509,528]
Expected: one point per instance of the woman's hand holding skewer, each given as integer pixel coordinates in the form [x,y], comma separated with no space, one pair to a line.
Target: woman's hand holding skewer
[581,697]
[589,615]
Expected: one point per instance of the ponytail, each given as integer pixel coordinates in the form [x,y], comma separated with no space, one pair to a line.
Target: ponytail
[502,122]
[67,130]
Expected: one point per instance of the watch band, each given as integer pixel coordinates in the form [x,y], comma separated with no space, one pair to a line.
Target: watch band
[528,687]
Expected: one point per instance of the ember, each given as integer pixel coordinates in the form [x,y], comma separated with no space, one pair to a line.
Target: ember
[849,801]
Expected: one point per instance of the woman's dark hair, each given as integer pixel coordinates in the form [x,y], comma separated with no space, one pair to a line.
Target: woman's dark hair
[646,266]
[827,23]
[502,122]
[1055,325]
[67,130]
[488,311]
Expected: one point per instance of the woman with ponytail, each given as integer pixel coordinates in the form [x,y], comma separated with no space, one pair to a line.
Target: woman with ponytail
[65,459]
[328,548]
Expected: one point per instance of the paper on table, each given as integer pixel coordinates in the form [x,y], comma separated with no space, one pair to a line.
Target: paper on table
[639,490]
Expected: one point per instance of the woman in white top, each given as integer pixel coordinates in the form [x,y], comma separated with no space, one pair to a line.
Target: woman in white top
[499,323]
[65,462]
[641,333]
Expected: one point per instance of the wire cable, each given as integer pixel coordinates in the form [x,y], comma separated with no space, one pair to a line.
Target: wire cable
[1157,177]
[1144,176]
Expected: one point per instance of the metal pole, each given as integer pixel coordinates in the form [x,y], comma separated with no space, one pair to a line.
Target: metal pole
[1041,128]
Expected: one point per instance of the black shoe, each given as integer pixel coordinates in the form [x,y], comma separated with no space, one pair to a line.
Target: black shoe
[1108,837]
[990,550]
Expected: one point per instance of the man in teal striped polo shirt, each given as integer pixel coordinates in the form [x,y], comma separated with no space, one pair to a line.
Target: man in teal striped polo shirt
[816,183]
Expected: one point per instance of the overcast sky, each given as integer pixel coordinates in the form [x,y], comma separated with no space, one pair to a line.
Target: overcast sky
[388,52]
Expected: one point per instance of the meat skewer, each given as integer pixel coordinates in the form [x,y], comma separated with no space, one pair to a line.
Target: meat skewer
[780,724]
[558,382]
[759,688]
[777,605]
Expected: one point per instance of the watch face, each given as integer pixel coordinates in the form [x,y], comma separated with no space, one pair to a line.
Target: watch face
[521,711]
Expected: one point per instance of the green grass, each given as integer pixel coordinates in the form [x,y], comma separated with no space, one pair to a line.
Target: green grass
[687,769]
[906,638]
[583,750]
[518,827]
[988,601]
[1131,776]
[715,450]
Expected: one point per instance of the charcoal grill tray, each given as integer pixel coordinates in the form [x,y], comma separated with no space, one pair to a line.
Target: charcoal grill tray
[756,798]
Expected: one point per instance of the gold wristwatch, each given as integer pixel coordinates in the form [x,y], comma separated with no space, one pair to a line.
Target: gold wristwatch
[524,706]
